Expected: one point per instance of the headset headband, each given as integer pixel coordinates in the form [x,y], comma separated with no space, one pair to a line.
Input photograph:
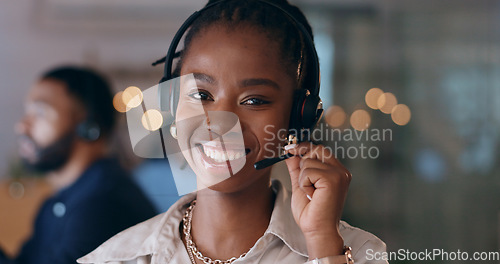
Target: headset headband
[169,58]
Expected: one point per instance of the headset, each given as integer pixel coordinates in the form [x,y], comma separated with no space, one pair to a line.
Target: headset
[89,130]
[307,106]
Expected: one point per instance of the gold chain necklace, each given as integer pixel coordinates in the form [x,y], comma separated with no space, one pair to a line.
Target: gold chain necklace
[191,247]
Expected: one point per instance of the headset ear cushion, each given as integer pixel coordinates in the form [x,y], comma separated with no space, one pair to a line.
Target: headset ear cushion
[306,110]
[88,130]
[310,110]
[295,124]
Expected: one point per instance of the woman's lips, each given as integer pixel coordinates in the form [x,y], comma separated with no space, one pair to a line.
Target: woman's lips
[218,153]
[221,154]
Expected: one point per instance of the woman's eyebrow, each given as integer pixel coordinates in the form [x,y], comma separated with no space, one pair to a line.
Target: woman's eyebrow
[245,83]
[203,77]
[258,82]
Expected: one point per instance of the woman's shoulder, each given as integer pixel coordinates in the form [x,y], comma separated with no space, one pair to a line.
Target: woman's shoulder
[132,242]
[142,239]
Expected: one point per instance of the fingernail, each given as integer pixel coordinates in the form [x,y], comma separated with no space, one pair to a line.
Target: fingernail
[289,147]
[309,197]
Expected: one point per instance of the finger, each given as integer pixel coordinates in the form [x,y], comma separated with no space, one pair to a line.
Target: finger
[306,162]
[330,183]
[326,171]
[293,165]
[312,156]
[334,166]
[306,179]
[323,154]
[299,149]
[319,178]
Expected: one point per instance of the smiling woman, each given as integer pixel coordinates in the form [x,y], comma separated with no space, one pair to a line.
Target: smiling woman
[251,69]
[242,75]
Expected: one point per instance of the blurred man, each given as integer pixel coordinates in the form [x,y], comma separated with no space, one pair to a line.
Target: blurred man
[64,133]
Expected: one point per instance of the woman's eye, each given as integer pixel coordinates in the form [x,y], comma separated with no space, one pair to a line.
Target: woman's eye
[255,101]
[200,95]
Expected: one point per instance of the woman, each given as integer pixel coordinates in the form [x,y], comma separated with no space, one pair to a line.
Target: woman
[247,59]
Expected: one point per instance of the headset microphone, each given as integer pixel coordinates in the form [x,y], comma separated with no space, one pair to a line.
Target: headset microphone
[259,165]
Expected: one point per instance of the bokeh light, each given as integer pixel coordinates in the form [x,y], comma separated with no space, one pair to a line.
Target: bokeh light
[335,116]
[360,120]
[386,102]
[132,96]
[118,102]
[152,120]
[372,96]
[401,114]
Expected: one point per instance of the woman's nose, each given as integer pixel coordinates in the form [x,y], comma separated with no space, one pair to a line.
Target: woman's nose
[223,105]
[222,123]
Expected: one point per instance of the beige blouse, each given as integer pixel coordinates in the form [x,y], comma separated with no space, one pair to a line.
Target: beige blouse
[158,240]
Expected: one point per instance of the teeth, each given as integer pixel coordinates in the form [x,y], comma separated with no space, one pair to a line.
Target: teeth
[221,156]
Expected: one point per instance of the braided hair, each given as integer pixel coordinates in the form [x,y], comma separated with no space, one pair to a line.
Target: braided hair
[276,25]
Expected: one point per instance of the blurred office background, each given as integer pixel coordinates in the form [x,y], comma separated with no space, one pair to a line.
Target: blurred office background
[433,184]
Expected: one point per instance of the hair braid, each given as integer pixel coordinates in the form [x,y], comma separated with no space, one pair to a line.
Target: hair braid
[276,25]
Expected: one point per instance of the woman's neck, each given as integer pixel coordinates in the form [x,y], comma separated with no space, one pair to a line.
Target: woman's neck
[226,225]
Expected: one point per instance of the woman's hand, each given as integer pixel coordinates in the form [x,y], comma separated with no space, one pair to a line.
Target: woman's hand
[319,188]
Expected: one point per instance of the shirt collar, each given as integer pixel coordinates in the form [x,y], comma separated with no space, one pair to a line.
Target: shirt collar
[150,237]
[283,224]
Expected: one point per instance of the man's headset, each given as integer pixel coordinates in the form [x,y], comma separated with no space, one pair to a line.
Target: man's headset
[89,130]
[307,107]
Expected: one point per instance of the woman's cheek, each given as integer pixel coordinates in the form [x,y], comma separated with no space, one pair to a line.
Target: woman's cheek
[187,111]
[272,135]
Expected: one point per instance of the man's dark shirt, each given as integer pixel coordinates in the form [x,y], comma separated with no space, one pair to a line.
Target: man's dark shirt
[101,203]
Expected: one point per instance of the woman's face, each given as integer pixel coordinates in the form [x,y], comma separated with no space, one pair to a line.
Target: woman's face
[230,111]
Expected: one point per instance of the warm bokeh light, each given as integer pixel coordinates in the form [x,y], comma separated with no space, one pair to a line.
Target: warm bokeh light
[401,114]
[118,102]
[132,97]
[360,120]
[372,96]
[386,102]
[152,120]
[335,116]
